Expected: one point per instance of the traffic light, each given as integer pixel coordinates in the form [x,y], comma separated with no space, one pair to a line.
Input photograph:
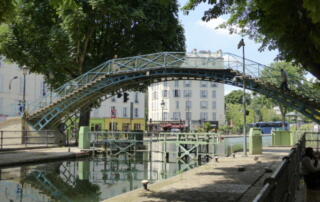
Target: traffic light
[125,97]
[119,95]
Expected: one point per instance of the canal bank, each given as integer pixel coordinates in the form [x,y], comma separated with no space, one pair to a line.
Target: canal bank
[27,156]
[229,179]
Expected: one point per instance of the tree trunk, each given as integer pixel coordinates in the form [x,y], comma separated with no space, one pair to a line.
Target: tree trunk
[84,118]
[283,111]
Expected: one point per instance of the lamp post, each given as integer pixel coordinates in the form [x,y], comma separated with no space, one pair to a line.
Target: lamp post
[162,107]
[24,72]
[15,77]
[242,44]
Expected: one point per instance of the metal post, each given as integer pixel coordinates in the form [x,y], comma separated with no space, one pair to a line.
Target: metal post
[47,137]
[244,102]
[1,139]
[241,44]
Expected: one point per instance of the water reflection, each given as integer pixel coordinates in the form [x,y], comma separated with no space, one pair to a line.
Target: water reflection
[89,180]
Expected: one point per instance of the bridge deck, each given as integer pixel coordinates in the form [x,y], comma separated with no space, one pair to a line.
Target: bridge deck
[214,181]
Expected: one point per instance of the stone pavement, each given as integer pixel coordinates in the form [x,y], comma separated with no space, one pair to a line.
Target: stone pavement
[18,157]
[216,181]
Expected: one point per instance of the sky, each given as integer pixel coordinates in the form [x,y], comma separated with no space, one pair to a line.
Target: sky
[203,36]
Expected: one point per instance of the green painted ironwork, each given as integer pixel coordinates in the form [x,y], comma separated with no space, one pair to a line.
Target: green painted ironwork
[119,74]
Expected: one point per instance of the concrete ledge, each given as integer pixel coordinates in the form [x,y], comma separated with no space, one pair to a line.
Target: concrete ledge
[22,157]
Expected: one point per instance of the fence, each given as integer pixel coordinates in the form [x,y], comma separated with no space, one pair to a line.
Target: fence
[27,139]
[281,186]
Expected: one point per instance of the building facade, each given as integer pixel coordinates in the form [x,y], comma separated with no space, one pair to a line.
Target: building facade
[120,114]
[11,89]
[187,104]
[113,112]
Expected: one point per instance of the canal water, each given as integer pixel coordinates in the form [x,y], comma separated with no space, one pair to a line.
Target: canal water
[93,179]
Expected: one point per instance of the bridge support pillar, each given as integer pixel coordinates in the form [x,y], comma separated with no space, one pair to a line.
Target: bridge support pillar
[281,138]
[84,170]
[84,137]
[255,141]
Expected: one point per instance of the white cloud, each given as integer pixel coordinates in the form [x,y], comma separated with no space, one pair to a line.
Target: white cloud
[213,26]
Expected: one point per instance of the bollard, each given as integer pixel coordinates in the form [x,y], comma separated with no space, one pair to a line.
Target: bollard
[255,141]
[216,159]
[84,137]
[145,184]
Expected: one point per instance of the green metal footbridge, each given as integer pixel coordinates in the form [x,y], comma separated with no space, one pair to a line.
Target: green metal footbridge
[134,73]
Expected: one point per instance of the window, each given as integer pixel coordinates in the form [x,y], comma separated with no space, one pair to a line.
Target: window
[176,83]
[187,83]
[113,99]
[124,112]
[188,104]
[113,112]
[214,105]
[1,83]
[176,116]
[176,93]
[165,93]
[165,83]
[154,95]
[136,112]
[203,83]
[136,97]
[113,126]
[204,104]
[203,116]
[187,93]
[165,116]
[214,94]
[177,104]
[126,126]
[214,116]
[213,84]
[1,106]
[43,89]
[188,115]
[203,94]
[137,126]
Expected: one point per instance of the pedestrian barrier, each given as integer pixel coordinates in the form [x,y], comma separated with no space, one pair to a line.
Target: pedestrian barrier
[281,186]
[27,139]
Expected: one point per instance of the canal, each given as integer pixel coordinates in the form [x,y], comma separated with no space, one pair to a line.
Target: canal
[96,178]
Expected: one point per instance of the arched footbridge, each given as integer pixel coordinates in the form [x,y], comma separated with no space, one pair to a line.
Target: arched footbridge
[133,73]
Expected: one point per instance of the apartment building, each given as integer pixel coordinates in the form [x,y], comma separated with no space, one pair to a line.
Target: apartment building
[187,104]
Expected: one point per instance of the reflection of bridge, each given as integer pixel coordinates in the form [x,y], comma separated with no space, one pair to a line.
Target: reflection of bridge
[139,71]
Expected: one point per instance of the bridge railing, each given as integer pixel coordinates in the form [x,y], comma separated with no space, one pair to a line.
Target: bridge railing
[281,186]
[151,61]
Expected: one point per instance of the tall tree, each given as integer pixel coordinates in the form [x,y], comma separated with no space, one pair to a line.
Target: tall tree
[292,26]
[66,38]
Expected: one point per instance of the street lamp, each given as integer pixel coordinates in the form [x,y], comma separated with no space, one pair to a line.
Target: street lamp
[242,44]
[15,77]
[162,107]
[24,72]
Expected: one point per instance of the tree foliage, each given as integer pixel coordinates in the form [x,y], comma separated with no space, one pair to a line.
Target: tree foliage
[63,39]
[292,26]
[67,38]
[236,97]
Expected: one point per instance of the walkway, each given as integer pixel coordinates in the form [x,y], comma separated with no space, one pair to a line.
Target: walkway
[221,181]
[19,157]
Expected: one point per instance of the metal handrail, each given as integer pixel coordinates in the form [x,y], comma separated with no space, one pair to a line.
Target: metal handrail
[283,183]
